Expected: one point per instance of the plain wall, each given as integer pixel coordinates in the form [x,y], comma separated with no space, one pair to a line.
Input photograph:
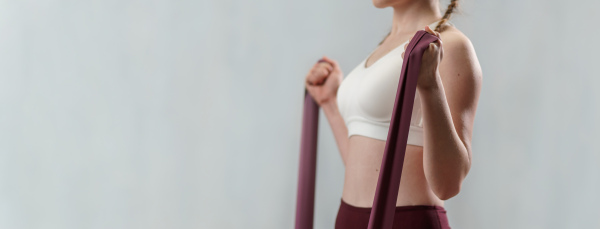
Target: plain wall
[186,114]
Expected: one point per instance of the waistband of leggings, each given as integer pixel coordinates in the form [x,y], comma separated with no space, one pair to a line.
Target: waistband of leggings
[398,208]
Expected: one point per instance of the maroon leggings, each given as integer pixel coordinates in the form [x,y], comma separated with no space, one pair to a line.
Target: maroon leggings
[407,217]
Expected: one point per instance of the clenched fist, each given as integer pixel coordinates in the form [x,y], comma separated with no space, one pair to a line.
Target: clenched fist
[323,80]
[429,62]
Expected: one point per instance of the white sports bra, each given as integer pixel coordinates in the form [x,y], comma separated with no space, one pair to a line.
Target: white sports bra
[366,98]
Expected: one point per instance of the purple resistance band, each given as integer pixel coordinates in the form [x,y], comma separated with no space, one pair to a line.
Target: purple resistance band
[386,194]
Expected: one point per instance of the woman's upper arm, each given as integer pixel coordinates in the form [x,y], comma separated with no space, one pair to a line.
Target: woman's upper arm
[461,77]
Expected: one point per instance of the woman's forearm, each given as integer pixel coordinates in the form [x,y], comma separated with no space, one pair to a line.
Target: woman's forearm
[340,131]
[445,158]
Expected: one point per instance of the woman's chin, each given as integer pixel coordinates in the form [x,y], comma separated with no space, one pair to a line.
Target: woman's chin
[380,4]
[386,3]
[383,3]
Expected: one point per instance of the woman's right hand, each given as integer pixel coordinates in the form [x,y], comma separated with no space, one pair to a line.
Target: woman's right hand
[323,80]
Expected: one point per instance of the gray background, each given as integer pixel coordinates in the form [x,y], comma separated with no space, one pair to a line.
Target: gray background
[186,114]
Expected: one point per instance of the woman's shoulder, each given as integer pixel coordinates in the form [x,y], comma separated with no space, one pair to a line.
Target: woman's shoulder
[453,38]
[459,54]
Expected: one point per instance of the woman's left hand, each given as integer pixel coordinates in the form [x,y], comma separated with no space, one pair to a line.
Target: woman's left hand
[431,59]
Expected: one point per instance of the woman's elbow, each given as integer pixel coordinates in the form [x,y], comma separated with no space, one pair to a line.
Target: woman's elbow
[448,192]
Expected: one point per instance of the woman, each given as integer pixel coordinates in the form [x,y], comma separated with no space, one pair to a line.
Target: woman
[359,108]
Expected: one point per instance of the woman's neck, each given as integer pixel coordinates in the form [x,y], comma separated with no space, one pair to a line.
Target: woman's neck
[414,15]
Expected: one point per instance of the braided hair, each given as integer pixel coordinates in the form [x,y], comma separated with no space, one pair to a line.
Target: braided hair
[446,17]
[453,5]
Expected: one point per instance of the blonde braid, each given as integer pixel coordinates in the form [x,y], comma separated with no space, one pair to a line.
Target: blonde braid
[453,4]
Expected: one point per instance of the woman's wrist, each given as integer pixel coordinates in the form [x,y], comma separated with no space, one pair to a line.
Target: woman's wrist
[330,105]
[433,85]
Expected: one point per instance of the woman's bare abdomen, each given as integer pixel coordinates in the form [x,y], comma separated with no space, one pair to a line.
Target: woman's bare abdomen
[362,172]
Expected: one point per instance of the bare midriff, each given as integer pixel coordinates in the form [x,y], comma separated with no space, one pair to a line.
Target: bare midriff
[362,172]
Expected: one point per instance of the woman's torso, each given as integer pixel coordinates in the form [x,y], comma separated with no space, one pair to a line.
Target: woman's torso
[365,153]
